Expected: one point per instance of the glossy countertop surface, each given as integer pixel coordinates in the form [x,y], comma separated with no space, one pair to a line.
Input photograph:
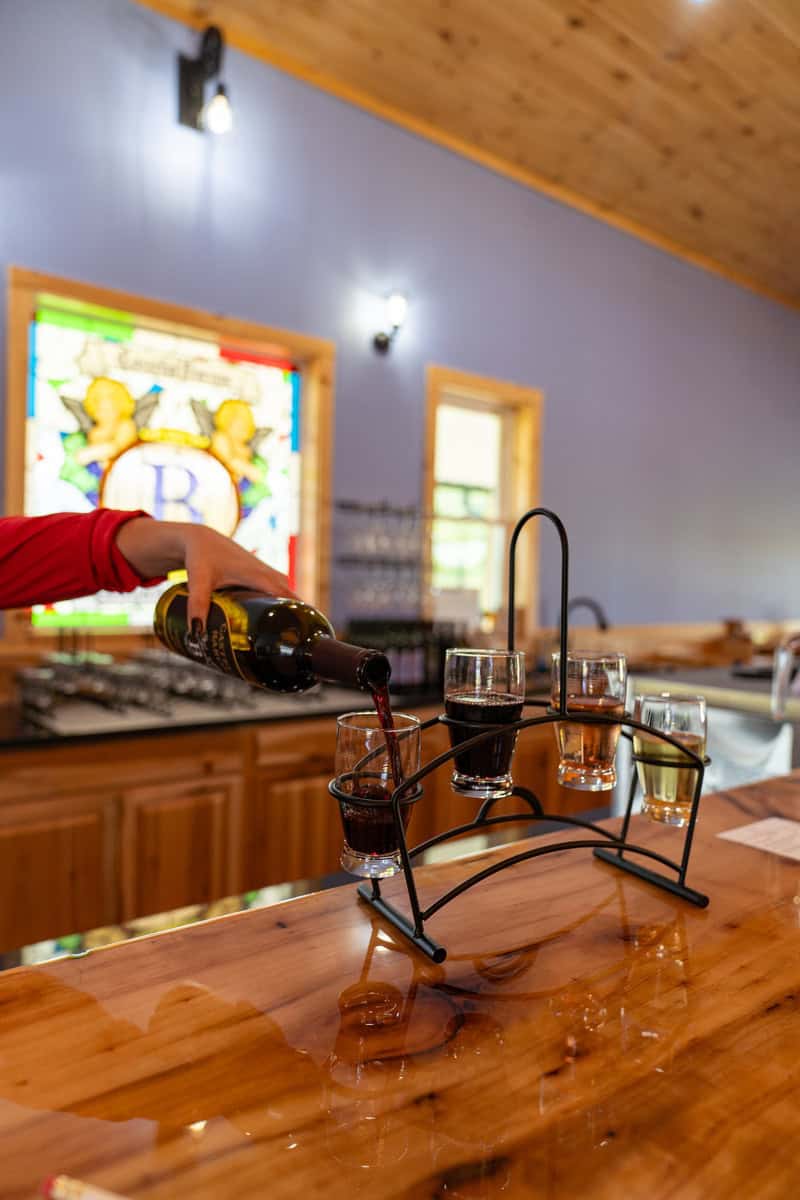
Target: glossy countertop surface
[588,1035]
[86,941]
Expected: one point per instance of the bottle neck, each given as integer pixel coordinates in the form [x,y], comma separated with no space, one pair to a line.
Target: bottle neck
[353,666]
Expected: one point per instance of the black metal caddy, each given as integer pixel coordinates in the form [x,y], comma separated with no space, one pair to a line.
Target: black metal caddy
[611,848]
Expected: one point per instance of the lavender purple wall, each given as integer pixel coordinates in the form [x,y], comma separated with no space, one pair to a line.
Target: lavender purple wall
[672,417]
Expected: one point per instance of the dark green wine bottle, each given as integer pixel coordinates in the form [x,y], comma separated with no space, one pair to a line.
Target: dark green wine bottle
[276,643]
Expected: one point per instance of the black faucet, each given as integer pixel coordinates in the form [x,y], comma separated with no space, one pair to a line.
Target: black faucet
[587,602]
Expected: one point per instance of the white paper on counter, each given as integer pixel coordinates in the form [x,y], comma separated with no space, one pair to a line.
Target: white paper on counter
[777,835]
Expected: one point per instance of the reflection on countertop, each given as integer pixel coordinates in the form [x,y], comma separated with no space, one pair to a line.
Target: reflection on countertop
[586,1036]
[391,1068]
[78,944]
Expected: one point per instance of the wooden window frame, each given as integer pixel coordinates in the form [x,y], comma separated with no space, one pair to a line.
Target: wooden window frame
[524,407]
[315,358]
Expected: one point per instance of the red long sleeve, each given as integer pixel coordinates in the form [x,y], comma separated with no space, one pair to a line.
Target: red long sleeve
[58,557]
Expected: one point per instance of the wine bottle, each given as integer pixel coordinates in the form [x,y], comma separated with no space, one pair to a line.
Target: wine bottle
[277,643]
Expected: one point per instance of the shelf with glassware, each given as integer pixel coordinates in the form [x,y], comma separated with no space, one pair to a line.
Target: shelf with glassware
[587,713]
[380,556]
[389,557]
[383,577]
[380,578]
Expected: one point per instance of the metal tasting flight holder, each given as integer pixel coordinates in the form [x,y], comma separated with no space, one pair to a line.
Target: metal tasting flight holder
[611,848]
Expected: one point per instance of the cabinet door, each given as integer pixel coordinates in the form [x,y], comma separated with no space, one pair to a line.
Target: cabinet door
[176,843]
[293,830]
[56,868]
[535,766]
[440,808]
[291,822]
[112,766]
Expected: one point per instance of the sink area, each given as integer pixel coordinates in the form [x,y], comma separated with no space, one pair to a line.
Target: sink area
[745,744]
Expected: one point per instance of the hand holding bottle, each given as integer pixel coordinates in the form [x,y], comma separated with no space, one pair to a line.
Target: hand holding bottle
[212,561]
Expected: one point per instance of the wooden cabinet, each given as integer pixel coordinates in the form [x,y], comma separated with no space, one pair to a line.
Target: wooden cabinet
[57,869]
[176,845]
[294,831]
[95,833]
[291,826]
[535,766]
[98,832]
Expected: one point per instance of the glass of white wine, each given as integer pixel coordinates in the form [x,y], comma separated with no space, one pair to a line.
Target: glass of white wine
[669,790]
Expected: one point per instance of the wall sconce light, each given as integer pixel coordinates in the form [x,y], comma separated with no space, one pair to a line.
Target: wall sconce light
[396,309]
[193,74]
[218,115]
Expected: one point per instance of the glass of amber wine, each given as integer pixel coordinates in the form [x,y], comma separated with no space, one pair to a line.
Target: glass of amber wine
[370,763]
[596,687]
[668,790]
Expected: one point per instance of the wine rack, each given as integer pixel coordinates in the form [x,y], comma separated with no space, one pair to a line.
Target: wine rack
[615,849]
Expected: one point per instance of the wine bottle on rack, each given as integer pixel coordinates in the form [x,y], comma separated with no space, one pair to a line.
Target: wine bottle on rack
[277,643]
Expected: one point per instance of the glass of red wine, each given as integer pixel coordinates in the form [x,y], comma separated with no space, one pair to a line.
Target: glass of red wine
[372,759]
[483,688]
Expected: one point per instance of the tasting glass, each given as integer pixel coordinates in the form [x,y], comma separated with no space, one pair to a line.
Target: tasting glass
[595,686]
[365,782]
[483,688]
[668,790]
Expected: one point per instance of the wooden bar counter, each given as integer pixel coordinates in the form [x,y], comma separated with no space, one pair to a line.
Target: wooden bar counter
[588,1035]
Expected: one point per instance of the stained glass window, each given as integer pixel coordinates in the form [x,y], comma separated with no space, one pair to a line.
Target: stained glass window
[126,415]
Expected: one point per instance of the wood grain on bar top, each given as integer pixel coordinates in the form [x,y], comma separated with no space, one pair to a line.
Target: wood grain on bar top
[587,1036]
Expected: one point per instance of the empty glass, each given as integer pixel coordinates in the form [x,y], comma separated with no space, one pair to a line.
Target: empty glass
[668,790]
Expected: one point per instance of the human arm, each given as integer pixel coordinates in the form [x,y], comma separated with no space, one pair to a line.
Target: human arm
[64,555]
[154,548]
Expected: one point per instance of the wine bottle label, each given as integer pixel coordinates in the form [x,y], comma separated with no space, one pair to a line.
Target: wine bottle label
[273,642]
[213,648]
[215,643]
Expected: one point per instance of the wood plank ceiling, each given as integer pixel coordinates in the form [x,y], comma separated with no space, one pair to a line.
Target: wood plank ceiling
[676,119]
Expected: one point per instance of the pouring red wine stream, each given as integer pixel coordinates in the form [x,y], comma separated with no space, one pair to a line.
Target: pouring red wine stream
[370,829]
[383,708]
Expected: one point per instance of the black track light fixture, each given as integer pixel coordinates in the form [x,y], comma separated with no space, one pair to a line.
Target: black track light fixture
[193,75]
